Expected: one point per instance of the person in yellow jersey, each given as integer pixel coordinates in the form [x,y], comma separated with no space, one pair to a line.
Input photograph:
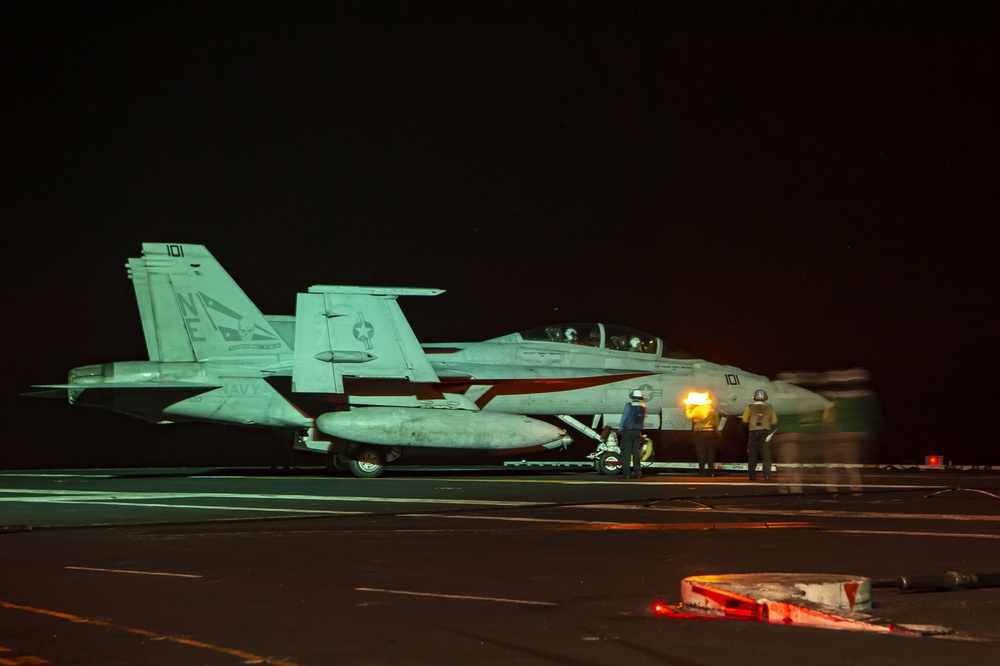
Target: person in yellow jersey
[705,424]
[760,419]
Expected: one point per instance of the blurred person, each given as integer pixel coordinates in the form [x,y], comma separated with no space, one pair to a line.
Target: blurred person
[844,437]
[856,417]
[840,454]
[630,435]
[760,417]
[797,445]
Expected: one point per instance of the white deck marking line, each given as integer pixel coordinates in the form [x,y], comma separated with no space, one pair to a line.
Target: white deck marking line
[57,475]
[457,596]
[222,507]
[611,525]
[127,571]
[128,499]
[932,534]
[84,495]
[803,512]
[133,499]
[655,481]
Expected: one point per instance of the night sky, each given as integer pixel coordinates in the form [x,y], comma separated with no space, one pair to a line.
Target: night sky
[778,186]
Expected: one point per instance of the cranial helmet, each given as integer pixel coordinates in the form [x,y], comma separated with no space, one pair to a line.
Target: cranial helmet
[636,394]
[760,394]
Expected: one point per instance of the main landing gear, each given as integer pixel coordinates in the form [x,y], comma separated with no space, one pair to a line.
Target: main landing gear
[363,461]
[608,458]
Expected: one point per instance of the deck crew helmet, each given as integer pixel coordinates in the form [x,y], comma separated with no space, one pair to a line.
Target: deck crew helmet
[636,394]
[760,394]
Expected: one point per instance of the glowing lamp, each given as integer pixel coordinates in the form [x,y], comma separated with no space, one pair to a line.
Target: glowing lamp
[934,461]
[695,398]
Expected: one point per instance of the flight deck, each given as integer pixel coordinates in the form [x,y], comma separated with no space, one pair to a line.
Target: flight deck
[425,566]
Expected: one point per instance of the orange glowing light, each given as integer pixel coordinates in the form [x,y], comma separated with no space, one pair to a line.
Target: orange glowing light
[697,405]
[695,398]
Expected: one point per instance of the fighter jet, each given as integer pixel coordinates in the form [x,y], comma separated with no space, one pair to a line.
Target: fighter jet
[346,376]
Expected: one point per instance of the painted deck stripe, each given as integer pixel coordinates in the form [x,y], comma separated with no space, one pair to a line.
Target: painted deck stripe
[247,656]
[924,534]
[818,513]
[656,481]
[223,507]
[127,571]
[91,495]
[568,524]
[457,596]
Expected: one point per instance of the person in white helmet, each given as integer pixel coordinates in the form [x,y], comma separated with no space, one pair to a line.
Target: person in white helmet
[760,418]
[630,434]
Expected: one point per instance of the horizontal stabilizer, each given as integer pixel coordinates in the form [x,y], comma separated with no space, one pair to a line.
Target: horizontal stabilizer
[132,385]
[54,393]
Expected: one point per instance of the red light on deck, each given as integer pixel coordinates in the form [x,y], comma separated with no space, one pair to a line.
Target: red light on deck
[660,608]
[934,461]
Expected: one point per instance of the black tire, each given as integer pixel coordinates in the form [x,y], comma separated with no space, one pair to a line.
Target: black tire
[609,463]
[367,462]
[336,464]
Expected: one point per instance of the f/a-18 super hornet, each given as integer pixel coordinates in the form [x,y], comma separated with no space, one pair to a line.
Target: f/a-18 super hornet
[346,376]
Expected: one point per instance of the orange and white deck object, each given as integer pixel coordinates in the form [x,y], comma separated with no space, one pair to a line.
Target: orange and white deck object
[827,601]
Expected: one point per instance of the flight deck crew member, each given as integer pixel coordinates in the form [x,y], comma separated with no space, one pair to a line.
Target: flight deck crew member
[705,424]
[759,416]
[630,433]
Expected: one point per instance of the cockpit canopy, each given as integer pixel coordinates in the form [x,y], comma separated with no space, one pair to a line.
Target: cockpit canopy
[602,336]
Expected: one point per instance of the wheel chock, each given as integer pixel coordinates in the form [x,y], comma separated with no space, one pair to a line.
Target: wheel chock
[827,601]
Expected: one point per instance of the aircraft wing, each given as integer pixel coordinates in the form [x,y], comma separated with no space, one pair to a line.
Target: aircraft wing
[355,333]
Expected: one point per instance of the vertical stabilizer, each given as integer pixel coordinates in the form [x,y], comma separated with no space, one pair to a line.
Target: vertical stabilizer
[355,332]
[192,310]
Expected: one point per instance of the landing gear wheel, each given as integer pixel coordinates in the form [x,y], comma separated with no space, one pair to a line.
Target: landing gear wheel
[367,462]
[609,462]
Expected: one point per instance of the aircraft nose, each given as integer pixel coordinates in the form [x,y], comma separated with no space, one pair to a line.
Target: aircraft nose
[791,399]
